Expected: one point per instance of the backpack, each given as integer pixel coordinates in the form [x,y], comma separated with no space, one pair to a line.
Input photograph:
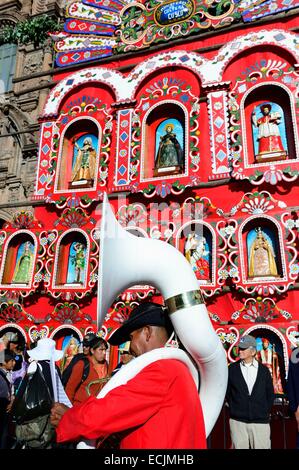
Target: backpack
[37,433]
[31,409]
[68,371]
[33,399]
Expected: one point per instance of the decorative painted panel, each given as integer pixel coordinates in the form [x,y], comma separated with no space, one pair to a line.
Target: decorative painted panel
[267,87]
[123,150]
[80,138]
[166,99]
[220,153]
[70,275]
[94,30]
[21,256]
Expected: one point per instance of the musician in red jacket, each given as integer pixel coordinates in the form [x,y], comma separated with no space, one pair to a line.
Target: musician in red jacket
[158,408]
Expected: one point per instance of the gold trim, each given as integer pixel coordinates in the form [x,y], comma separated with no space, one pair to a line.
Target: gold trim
[187,299]
[97,381]
[220,17]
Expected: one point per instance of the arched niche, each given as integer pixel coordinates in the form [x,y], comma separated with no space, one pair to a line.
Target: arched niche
[86,94]
[262,251]
[252,62]
[78,156]
[269,126]
[18,261]
[195,241]
[271,351]
[164,141]
[71,261]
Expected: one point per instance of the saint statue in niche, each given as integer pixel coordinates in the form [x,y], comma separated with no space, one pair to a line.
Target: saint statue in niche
[85,164]
[170,153]
[77,262]
[23,269]
[261,257]
[270,146]
[269,358]
[70,350]
[197,253]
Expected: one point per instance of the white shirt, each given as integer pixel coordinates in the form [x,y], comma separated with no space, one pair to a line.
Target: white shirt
[249,372]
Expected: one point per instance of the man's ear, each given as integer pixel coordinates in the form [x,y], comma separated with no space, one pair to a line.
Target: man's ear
[148,332]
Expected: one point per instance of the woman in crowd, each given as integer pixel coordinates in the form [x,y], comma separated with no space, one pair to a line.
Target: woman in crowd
[79,388]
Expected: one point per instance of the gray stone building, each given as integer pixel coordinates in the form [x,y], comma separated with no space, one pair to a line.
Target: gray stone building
[25,80]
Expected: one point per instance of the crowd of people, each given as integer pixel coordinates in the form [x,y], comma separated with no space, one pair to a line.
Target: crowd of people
[145,411]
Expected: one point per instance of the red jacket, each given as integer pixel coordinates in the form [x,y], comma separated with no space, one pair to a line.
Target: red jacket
[158,409]
[75,390]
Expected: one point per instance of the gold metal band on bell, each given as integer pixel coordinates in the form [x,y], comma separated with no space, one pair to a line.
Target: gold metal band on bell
[187,299]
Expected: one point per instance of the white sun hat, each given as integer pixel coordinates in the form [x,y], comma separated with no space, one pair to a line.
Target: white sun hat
[45,350]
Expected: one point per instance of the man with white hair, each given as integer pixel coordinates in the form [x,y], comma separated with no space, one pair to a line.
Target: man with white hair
[250,396]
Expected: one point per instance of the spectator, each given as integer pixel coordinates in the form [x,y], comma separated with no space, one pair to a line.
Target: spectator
[125,356]
[250,396]
[21,365]
[7,362]
[293,387]
[79,386]
[10,341]
[88,338]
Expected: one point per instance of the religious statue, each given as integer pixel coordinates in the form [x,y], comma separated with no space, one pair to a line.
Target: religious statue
[78,260]
[23,268]
[196,253]
[269,138]
[84,168]
[70,350]
[269,358]
[261,257]
[169,152]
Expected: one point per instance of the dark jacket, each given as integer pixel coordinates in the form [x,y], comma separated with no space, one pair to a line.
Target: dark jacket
[293,381]
[5,392]
[254,408]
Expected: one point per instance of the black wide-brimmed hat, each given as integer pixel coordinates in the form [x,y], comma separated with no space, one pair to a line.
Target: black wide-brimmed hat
[147,313]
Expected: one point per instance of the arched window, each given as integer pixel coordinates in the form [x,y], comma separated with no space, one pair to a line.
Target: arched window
[263,254]
[269,128]
[19,261]
[72,260]
[169,145]
[269,132]
[164,141]
[7,66]
[79,156]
